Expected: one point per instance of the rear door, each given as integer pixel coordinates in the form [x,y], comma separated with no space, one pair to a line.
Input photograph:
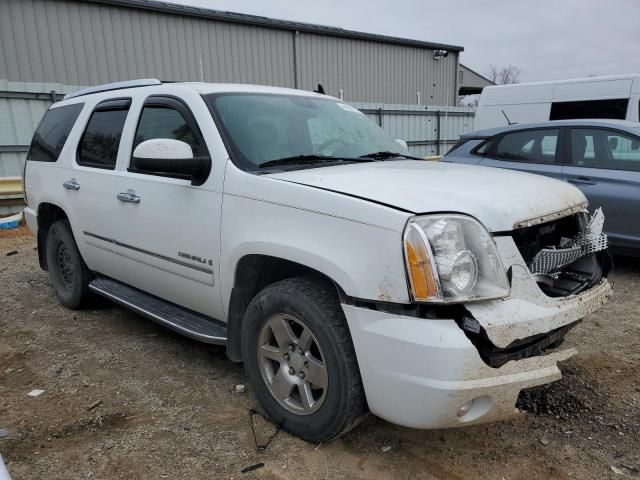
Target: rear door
[605,165]
[532,151]
[91,182]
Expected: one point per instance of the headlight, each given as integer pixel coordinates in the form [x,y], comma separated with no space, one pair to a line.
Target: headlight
[452,258]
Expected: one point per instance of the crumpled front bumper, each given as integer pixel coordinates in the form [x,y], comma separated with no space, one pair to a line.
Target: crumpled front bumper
[528,311]
[422,373]
[426,373]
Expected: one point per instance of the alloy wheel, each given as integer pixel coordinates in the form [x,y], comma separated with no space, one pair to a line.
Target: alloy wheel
[292,364]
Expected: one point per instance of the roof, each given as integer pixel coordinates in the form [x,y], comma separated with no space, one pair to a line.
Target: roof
[272,23]
[476,73]
[620,124]
[628,76]
[123,88]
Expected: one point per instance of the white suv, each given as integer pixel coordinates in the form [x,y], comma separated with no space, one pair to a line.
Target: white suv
[345,274]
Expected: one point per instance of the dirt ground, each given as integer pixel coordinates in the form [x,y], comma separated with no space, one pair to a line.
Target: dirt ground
[126,399]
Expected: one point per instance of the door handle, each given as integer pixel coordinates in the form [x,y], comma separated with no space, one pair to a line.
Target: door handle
[129,197]
[581,181]
[71,184]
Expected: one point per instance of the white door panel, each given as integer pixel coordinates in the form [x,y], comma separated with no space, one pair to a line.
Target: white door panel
[93,163]
[169,242]
[94,210]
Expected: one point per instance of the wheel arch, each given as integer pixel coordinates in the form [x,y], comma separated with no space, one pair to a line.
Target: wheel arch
[48,214]
[253,272]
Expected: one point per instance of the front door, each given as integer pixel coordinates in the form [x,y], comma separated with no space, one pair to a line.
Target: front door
[606,167]
[168,240]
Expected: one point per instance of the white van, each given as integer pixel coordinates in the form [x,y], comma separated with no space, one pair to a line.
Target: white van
[614,97]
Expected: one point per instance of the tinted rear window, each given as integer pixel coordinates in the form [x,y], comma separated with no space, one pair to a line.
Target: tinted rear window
[101,139]
[52,133]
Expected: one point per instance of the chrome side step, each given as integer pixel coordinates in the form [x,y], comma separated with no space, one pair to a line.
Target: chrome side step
[181,320]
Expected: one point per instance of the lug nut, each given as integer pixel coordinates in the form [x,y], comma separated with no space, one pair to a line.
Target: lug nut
[286,356]
[292,347]
[291,371]
[306,364]
[301,374]
[301,351]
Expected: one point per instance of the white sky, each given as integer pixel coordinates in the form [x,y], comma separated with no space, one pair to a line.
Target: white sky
[546,39]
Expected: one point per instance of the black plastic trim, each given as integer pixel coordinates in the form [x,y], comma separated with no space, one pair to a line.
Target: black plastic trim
[536,345]
[147,252]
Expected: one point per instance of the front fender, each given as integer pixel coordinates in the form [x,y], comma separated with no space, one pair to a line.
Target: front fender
[364,260]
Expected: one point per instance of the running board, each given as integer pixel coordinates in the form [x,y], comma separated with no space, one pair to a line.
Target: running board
[181,320]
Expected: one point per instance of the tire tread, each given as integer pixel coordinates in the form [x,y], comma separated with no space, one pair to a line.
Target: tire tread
[322,293]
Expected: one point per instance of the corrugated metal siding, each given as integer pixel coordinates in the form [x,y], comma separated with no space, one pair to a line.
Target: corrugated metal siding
[19,118]
[418,126]
[87,44]
[367,70]
[472,79]
[80,43]
[11,163]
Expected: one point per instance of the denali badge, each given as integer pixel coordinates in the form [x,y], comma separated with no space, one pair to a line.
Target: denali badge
[195,258]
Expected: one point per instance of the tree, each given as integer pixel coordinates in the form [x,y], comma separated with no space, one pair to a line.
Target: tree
[504,75]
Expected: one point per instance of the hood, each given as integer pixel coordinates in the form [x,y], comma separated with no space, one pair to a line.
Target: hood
[501,199]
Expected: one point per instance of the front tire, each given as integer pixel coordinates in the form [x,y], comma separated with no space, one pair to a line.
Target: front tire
[68,273]
[300,360]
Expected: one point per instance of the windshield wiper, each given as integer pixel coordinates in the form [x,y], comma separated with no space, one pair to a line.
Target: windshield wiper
[385,154]
[310,159]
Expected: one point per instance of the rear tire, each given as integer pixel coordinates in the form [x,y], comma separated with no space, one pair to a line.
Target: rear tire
[68,273]
[300,360]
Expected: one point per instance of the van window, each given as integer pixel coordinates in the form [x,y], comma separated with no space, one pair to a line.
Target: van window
[614,109]
[100,141]
[537,146]
[52,133]
[600,148]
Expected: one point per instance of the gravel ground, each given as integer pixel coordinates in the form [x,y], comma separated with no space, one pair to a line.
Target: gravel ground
[126,399]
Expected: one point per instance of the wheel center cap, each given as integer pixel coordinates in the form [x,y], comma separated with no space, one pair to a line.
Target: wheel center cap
[297,361]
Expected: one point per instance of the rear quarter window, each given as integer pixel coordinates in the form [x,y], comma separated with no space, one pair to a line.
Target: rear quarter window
[52,133]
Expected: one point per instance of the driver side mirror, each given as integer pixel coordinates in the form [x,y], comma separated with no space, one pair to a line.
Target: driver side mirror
[170,158]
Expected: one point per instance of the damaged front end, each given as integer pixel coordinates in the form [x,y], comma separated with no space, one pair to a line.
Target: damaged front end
[558,272]
[566,256]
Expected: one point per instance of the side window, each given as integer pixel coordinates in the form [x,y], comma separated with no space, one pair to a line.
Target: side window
[168,118]
[98,147]
[615,108]
[484,147]
[598,148]
[537,146]
[159,121]
[52,133]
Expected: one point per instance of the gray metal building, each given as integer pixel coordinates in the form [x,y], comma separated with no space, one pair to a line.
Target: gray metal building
[87,42]
[469,79]
[51,47]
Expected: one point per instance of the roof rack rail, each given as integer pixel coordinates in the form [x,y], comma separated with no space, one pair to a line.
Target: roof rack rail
[143,82]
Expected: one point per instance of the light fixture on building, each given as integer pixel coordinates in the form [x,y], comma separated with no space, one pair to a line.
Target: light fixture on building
[437,54]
